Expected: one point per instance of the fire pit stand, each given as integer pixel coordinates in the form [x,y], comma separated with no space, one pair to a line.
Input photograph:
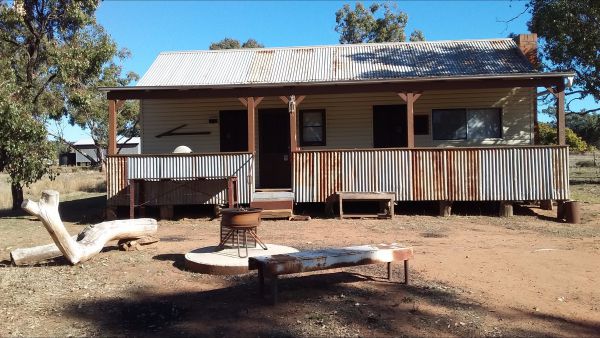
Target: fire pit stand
[236,222]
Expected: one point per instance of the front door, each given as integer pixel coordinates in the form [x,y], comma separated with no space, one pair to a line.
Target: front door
[274,163]
[233,130]
[389,126]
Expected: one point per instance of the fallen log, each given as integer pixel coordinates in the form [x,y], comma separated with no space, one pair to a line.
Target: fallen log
[78,248]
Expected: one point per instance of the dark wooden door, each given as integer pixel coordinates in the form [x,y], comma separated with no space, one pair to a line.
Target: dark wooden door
[274,163]
[389,126]
[233,128]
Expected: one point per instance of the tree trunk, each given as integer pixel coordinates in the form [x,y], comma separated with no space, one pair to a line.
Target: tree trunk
[17,195]
[101,159]
[87,244]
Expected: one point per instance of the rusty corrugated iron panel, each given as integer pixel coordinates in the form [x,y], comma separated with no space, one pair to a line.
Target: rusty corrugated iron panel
[117,192]
[455,174]
[181,171]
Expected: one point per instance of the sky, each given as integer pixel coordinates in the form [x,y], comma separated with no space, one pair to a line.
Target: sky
[148,27]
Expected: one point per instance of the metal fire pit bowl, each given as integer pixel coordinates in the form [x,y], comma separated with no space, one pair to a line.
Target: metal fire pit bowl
[240,221]
[240,217]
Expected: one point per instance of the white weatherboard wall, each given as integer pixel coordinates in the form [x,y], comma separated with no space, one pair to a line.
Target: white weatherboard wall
[348,118]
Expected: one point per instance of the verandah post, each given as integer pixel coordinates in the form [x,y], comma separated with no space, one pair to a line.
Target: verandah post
[560,114]
[410,98]
[251,112]
[410,112]
[112,127]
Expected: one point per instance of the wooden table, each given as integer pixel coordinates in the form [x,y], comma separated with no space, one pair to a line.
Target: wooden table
[386,199]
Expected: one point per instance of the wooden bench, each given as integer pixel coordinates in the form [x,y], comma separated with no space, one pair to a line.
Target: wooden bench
[275,265]
[386,200]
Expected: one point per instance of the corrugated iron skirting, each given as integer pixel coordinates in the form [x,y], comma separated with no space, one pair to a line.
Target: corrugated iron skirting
[453,174]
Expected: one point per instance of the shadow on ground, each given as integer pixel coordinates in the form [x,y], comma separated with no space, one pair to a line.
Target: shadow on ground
[177,259]
[313,305]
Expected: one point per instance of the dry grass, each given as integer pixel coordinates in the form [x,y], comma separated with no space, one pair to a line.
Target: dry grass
[69,182]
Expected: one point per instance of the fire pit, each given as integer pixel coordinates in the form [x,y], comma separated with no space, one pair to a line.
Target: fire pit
[240,221]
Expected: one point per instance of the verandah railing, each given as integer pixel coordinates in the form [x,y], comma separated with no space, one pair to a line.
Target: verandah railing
[185,178]
[420,174]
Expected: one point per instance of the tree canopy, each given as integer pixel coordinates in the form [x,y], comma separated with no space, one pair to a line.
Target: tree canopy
[569,32]
[54,56]
[380,22]
[229,43]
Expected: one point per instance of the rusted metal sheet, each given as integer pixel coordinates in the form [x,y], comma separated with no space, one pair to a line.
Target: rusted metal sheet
[174,179]
[454,174]
[117,191]
[315,260]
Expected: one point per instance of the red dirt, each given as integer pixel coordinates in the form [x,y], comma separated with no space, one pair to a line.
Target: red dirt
[472,275]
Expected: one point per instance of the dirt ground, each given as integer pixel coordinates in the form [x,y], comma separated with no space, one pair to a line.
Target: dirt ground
[472,276]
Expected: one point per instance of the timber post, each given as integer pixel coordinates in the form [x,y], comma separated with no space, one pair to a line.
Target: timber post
[410,98]
[560,114]
[251,103]
[112,127]
[445,208]
[506,209]
[546,205]
[293,102]
[251,113]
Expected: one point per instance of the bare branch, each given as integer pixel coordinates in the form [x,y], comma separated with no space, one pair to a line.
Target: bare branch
[506,22]
[583,112]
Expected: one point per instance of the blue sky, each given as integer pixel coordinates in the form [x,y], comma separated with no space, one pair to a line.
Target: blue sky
[149,27]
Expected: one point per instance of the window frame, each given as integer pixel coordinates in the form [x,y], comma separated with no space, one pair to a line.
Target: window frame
[323,126]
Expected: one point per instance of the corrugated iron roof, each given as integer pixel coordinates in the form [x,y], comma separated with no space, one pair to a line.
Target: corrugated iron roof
[337,63]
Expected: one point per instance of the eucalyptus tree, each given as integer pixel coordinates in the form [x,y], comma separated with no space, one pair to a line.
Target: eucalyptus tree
[55,54]
[380,22]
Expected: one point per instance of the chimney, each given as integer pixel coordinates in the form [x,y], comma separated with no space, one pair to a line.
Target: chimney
[528,45]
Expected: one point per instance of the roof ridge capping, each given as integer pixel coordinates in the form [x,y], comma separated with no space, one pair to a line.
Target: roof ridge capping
[347,45]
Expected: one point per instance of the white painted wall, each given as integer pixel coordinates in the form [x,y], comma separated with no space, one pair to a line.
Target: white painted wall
[348,117]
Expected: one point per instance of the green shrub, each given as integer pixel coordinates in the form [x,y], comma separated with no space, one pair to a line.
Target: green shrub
[548,135]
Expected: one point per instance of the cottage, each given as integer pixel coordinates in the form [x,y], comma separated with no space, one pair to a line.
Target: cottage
[427,121]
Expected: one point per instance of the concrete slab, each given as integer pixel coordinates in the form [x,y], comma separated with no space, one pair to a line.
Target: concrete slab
[210,260]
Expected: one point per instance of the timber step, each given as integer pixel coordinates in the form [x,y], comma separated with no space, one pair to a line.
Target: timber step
[275,204]
[277,213]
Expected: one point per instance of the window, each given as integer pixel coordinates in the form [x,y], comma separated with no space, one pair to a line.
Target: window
[449,124]
[463,124]
[421,124]
[312,132]
[484,123]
